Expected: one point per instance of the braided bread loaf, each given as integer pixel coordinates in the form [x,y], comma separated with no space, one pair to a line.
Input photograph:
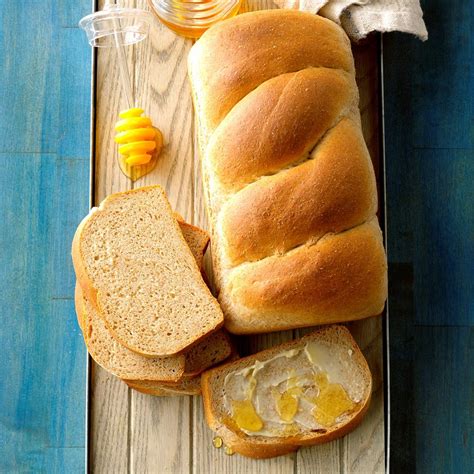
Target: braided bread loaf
[290,188]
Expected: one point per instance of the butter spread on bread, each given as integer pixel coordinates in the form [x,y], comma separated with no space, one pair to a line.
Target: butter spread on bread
[303,392]
[296,390]
[289,185]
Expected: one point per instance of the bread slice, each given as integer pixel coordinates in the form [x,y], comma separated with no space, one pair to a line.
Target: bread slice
[197,240]
[134,266]
[337,357]
[124,363]
[209,352]
[117,359]
[121,361]
[187,385]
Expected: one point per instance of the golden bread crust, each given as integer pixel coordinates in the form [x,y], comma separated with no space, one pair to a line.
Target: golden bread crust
[342,277]
[184,386]
[260,49]
[294,109]
[285,166]
[332,192]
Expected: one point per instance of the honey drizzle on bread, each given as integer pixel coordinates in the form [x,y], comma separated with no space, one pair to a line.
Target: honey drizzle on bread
[357,379]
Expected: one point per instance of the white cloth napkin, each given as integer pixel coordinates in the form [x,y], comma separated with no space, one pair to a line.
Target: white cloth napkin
[360,17]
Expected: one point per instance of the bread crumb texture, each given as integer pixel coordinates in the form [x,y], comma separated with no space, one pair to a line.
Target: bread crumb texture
[149,288]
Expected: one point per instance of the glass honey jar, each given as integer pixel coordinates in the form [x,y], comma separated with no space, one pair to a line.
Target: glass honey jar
[191,18]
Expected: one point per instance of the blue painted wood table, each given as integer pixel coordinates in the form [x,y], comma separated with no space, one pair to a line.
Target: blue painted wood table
[45,98]
[429,105]
[44,186]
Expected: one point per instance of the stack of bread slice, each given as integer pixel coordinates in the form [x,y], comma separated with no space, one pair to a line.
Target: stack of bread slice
[145,312]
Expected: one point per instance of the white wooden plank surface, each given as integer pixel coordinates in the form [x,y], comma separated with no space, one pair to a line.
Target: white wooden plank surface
[131,432]
[160,429]
[109,397]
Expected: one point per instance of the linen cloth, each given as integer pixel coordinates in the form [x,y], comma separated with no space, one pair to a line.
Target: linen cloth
[360,17]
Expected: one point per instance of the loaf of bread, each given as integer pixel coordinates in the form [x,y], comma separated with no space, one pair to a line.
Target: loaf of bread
[300,393]
[134,266]
[289,184]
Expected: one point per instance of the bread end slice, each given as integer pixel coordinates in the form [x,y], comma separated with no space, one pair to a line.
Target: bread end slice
[219,419]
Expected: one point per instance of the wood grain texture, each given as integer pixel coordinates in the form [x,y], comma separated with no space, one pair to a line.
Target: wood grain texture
[207,459]
[162,89]
[429,96]
[169,434]
[160,435]
[158,70]
[44,155]
[109,398]
[363,450]
[429,154]
[109,404]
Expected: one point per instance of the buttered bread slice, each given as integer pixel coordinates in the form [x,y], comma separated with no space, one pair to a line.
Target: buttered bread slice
[304,392]
[133,264]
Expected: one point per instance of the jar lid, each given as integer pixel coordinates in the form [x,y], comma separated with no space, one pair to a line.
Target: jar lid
[114,24]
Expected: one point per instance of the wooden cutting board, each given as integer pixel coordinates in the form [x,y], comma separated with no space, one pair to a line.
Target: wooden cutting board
[131,432]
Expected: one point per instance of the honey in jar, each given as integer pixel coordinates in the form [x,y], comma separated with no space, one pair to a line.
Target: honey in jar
[191,18]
